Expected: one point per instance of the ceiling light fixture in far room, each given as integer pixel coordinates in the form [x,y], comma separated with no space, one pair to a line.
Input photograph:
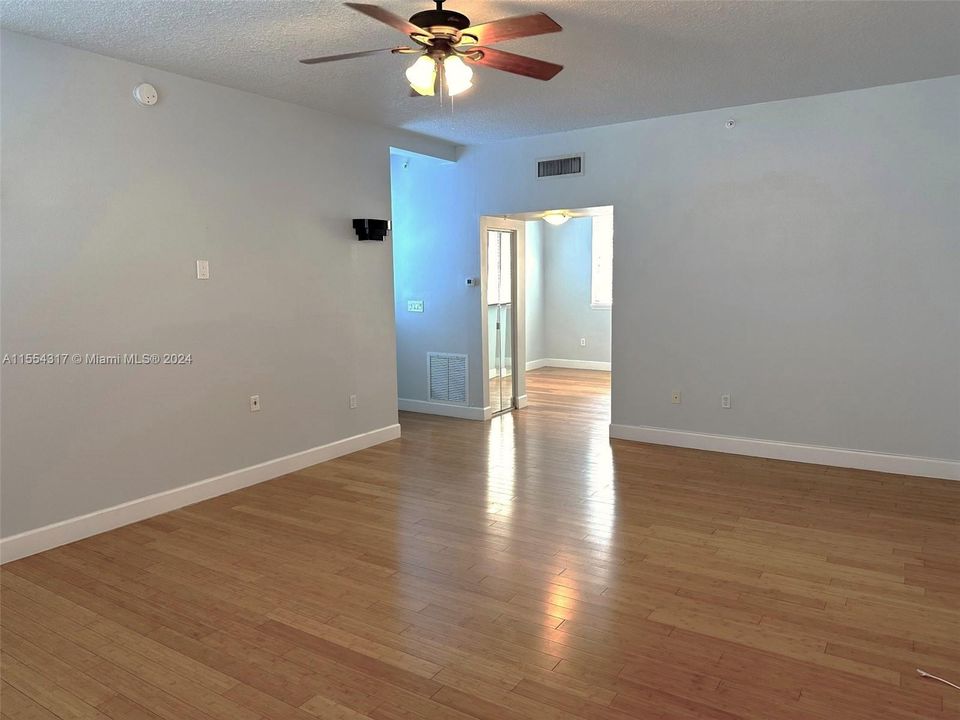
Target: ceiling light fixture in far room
[556,217]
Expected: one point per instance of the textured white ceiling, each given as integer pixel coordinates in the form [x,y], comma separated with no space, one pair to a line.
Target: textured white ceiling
[624,60]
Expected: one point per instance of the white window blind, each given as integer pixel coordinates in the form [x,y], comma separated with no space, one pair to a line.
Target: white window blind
[601,286]
[499,281]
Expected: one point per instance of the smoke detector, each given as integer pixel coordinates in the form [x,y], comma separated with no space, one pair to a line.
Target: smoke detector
[145,94]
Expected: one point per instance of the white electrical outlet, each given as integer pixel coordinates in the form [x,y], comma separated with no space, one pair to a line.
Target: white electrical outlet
[725,401]
[254,403]
[415,306]
[676,398]
[353,402]
[583,342]
[203,269]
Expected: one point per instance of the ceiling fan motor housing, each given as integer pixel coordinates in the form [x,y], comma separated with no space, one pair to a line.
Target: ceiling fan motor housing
[441,18]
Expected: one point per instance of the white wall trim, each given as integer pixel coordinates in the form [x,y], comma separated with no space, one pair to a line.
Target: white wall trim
[817,454]
[464,412]
[522,402]
[73,529]
[572,364]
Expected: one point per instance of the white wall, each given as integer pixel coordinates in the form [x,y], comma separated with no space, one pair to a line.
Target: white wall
[805,261]
[536,309]
[568,273]
[432,264]
[106,207]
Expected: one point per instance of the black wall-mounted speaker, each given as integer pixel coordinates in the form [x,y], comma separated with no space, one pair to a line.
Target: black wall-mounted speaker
[371,229]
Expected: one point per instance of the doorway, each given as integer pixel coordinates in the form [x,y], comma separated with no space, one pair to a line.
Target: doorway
[548,306]
[500,314]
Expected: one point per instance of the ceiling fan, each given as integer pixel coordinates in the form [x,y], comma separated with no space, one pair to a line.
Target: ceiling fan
[444,39]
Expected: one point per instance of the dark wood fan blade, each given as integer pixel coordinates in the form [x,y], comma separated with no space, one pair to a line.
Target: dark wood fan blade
[514,27]
[517,64]
[345,56]
[385,16]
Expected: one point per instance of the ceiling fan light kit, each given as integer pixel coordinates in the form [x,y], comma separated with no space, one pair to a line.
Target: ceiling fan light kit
[446,42]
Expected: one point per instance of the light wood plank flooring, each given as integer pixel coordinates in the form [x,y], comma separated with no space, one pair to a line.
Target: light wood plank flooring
[520,569]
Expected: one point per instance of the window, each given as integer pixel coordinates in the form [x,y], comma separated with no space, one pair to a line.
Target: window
[601,285]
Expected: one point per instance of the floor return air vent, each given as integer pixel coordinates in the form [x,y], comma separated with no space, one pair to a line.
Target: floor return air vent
[447,376]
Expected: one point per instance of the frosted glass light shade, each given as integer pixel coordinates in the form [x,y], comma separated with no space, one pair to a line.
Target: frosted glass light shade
[422,75]
[458,74]
[556,218]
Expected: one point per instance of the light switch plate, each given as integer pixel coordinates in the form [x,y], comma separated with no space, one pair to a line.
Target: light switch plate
[415,306]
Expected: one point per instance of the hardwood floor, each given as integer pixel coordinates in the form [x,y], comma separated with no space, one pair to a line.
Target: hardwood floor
[523,568]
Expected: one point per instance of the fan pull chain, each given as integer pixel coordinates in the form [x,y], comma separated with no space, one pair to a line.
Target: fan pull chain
[443,89]
[443,84]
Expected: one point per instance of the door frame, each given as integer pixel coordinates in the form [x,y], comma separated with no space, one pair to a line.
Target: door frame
[518,310]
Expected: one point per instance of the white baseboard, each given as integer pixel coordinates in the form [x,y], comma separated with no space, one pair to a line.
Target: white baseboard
[522,402]
[464,412]
[73,529]
[816,454]
[570,364]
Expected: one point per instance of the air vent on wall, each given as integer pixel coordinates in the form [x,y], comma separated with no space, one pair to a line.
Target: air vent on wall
[447,375]
[554,167]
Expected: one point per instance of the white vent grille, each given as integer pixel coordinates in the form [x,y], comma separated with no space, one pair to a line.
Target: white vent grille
[447,375]
[553,167]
